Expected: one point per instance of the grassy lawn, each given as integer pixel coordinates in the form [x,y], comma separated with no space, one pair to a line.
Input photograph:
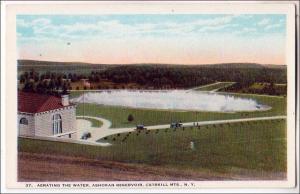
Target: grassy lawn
[259,88]
[95,123]
[74,94]
[259,145]
[118,115]
[263,85]
[215,86]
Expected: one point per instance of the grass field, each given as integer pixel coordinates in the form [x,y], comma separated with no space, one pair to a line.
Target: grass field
[95,123]
[259,88]
[118,115]
[216,86]
[258,146]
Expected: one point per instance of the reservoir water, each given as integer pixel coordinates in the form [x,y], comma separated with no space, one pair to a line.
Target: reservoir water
[171,100]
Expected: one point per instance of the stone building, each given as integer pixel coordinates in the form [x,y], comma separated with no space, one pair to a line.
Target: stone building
[46,115]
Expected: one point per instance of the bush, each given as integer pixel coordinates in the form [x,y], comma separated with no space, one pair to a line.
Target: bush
[130,118]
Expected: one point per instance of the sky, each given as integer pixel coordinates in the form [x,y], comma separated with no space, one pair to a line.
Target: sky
[153,38]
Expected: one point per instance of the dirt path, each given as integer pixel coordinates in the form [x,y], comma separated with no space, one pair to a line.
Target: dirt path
[42,167]
[96,132]
[86,126]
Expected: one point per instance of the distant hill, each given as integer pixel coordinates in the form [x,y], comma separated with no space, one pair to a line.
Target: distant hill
[52,63]
[34,63]
[59,67]
[275,66]
[245,65]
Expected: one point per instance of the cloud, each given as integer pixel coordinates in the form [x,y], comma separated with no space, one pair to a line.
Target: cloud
[44,27]
[113,27]
[263,22]
[37,22]
[245,30]
[216,28]
[214,21]
[41,22]
[272,26]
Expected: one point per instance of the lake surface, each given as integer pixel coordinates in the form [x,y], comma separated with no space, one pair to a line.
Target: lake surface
[171,100]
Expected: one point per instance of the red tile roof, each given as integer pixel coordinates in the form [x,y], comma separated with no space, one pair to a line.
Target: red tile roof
[34,103]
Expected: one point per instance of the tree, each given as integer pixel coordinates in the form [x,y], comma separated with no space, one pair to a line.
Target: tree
[28,87]
[130,118]
[22,79]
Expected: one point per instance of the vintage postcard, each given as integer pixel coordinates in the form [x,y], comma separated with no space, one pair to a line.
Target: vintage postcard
[144,96]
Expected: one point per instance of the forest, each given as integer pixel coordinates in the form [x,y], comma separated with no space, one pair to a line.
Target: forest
[188,76]
[151,76]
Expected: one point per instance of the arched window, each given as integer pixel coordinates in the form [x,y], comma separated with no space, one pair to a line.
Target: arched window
[56,124]
[24,121]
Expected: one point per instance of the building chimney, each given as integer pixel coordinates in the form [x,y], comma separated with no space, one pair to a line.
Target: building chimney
[65,100]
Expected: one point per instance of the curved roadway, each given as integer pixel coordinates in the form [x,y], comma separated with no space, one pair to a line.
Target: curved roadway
[105,130]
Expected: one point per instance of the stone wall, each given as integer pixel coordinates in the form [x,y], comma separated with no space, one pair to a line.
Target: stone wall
[43,121]
[26,130]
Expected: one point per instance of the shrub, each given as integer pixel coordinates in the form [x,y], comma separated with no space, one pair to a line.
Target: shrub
[130,118]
